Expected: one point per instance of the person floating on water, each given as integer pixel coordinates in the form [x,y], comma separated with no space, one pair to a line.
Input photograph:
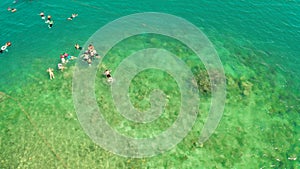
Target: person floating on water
[11,9]
[68,57]
[48,19]
[91,51]
[42,15]
[62,58]
[85,56]
[77,47]
[72,16]
[61,67]
[91,47]
[108,76]
[50,24]
[4,47]
[51,74]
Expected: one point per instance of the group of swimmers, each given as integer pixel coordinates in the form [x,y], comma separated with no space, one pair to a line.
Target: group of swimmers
[64,58]
[48,21]
[89,55]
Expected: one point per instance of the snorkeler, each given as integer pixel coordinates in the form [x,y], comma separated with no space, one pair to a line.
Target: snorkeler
[72,16]
[92,54]
[61,67]
[62,58]
[91,47]
[50,24]
[68,57]
[85,57]
[42,15]
[51,74]
[48,19]
[77,47]
[91,51]
[4,47]
[108,76]
[11,9]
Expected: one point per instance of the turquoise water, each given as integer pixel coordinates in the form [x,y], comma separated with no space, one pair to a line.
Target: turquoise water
[269,26]
[257,42]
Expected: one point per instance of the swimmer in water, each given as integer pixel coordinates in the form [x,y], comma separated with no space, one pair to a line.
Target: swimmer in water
[91,51]
[11,9]
[48,19]
[108,76]
[85,57]
[77,47]
[61,67]
[69,57]
[51,74]
[91,47]
[4,47]
[50,24]
[62,58]
[42,15]
[72,16]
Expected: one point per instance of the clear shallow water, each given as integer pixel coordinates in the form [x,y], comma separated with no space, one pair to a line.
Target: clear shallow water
[256,41]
